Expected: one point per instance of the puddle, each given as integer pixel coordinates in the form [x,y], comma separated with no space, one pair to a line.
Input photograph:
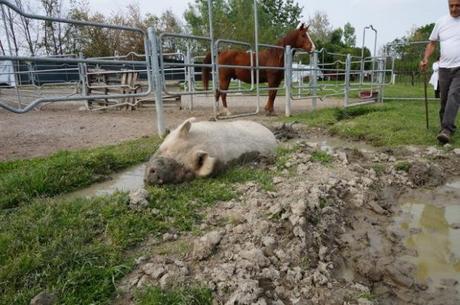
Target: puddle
[128,180]
[329,144]
[431,220]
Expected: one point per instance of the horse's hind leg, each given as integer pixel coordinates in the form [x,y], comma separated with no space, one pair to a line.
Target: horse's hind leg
[224,84]
[217,99]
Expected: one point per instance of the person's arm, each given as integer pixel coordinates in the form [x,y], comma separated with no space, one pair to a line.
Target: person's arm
[430,48]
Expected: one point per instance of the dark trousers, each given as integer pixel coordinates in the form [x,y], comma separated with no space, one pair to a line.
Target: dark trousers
[449,86]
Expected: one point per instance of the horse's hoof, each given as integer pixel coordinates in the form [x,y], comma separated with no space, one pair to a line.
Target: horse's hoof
[225,113]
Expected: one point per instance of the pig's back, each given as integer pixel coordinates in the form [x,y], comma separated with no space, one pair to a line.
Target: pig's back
[229,140]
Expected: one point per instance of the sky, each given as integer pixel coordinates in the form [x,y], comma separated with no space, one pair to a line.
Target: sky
[391,18]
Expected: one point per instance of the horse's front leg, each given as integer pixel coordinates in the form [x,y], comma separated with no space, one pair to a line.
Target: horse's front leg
[274,81]
[269,107]
[224,84]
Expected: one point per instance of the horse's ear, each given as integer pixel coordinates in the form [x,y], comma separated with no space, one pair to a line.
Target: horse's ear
[307,27]
[301,26]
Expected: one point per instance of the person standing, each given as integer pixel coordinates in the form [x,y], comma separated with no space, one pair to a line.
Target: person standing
[447,32]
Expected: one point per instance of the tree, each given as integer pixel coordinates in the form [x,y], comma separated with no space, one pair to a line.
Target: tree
[10,20]
[349,36]
[335,37]
[320,27]
[408,53]
[234,19]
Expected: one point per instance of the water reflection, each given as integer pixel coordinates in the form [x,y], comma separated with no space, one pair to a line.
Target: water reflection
[432,221]
[128,180]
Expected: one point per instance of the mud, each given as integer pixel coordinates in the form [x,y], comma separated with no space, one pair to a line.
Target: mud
[327,234]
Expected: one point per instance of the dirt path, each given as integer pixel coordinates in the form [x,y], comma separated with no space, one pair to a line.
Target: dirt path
[63,127]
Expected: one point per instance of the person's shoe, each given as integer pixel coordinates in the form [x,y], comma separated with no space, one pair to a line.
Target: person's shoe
[444,136]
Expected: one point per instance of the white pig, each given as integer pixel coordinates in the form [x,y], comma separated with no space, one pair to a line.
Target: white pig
[200,149]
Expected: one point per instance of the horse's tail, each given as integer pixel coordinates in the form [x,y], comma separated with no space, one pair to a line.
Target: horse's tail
[206,71]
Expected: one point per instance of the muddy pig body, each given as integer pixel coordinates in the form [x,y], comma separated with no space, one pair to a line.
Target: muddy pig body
[200,149]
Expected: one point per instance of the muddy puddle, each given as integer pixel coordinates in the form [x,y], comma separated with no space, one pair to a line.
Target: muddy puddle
[431,221]
[125,181]
[329,144]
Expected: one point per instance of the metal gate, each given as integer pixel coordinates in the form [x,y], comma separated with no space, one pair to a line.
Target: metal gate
[155,67]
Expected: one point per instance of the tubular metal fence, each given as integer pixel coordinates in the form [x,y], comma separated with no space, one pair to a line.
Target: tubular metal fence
[357,80]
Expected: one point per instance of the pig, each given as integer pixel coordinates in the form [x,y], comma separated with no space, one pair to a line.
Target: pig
[202,149]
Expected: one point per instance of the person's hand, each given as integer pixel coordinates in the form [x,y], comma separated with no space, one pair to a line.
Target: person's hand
[423,64]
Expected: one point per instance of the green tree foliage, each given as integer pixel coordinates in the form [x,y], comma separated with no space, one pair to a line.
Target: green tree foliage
[408,51]
[349,36]
[320,28]
[98,42]
[334,41]
[234,19]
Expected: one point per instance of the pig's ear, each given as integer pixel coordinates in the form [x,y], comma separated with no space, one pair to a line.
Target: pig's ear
[203,163]
[184,128]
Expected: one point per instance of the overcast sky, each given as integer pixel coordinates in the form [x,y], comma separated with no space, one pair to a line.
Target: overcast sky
[391,18]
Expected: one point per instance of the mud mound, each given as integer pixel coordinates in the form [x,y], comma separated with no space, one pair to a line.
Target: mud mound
[323,236]
[423,174]
[286,132]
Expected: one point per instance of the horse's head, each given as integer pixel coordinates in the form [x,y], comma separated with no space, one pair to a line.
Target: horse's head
[301,39]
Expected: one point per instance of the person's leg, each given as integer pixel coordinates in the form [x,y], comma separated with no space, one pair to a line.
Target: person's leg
[453,102]
[444,84]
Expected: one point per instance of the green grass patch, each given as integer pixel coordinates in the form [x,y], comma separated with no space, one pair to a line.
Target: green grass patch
[367,295]
[393,123]
[66,171]
[408,91]
[72,248]
[179,296]
[350,113]
[282,156]
[379,168]
[77,248]
[403,166]
[321,157]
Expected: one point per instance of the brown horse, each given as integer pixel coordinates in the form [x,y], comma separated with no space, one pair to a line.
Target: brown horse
[271,57]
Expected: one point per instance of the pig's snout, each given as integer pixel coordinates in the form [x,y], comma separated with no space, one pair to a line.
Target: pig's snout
[162,170]
[152,177]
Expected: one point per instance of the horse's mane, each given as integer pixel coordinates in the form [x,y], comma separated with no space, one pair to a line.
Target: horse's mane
[282,42]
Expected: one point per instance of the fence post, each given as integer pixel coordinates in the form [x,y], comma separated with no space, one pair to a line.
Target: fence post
[288,78]
[82,75]
[156,79]
[347,81]
[30,69]
[214,52]
[314,78]
[382,70]
[190,76]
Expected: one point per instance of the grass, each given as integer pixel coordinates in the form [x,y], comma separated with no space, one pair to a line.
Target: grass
[405,90]
[180,296]
[23,180]
[393,123]
[403,166]
[321,157]
[78,248]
